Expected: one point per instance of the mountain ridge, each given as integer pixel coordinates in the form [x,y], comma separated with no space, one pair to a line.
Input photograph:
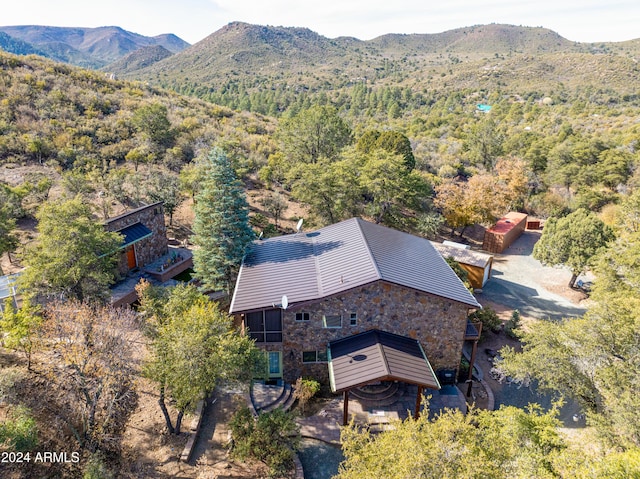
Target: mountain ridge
[88,47]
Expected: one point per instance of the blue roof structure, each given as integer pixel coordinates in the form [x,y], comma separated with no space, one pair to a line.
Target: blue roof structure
[134,233]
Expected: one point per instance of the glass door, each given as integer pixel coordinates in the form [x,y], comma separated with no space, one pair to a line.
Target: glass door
[275,364]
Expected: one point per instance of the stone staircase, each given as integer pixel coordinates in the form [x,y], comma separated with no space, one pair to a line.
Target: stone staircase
[267,397]
[379,395]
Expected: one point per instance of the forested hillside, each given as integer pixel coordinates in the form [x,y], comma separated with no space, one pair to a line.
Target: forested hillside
[69,131]
[271,69]
[427,134]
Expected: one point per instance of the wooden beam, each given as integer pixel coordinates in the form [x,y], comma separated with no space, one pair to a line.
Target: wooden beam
[345,410]
[416,414]
[474,350]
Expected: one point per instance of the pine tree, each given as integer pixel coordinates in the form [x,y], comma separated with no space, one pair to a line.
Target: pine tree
[221,225]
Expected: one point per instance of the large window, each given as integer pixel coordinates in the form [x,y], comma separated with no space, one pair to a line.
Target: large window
[332,321]
[265,326]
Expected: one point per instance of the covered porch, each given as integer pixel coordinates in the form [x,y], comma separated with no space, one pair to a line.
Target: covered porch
[375,357]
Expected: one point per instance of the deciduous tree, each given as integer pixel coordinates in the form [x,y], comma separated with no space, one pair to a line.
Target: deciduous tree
[507,443]
[88,376]
[194,348]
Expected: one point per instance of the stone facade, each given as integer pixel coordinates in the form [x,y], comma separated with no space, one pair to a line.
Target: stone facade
[438,323]
[148,249]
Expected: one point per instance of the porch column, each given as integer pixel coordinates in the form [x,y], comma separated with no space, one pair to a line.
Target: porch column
[416,414]
[345,410]
[474,350]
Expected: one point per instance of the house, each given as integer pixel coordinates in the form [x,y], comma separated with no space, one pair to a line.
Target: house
[300,292]
[475,263]
[144,252]
[145,236]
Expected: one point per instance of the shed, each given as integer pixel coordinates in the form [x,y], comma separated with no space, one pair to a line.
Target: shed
[478,265]
[506,230]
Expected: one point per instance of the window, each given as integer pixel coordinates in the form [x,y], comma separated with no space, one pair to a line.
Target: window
[309,356]
[353,319]
[314,356]
[265,326]
[332,321]
[302,316]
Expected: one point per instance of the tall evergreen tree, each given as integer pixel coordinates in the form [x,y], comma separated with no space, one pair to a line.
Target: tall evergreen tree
[221,225]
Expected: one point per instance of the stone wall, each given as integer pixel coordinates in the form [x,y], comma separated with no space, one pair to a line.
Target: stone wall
[148,249]
[439,324]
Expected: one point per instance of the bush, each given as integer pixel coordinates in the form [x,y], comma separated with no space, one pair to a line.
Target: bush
[97,469]
[9,377]
[305,389]
[272,439]
[19,433]
[489,319]
[513,324]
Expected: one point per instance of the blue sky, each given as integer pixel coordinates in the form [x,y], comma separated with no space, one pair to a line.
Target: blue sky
[192,20]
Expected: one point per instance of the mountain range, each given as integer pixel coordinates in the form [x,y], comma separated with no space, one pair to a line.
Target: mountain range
[255,57]
[86,47]
[248,57]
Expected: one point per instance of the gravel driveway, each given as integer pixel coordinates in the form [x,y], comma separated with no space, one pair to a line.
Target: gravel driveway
[520,282]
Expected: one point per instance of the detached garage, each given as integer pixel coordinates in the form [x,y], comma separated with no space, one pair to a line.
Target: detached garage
[477,264]
[504,232]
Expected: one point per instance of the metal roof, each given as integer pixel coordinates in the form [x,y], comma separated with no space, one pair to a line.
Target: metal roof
[132,212]
[378,356]
[134,233]
[465,256]
[352,253]
[8,286]
[508,222]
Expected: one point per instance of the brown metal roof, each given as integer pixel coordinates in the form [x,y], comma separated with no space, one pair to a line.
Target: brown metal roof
[352,253]
[378,356]
[465,256]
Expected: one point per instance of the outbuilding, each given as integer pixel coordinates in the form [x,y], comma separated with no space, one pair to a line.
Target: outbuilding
[476,264]
[506,230]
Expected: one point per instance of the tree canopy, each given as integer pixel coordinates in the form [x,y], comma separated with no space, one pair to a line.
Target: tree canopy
[572,241]
[194,347]
[312,134]
[221,226]
[74,256]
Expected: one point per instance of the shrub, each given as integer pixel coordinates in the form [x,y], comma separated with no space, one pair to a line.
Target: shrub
[271,439]
[305,389]
[489,319]
[19,433]
[97,469]
[513,324]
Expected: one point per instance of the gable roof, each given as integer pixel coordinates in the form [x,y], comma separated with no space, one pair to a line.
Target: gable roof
[465,256]
[339,257]
[378,356]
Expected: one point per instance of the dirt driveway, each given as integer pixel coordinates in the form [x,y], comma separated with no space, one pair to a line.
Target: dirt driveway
[518,281]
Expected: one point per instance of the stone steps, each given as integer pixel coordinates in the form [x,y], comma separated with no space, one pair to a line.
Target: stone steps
[377,394]
[267,397]
[388,398]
